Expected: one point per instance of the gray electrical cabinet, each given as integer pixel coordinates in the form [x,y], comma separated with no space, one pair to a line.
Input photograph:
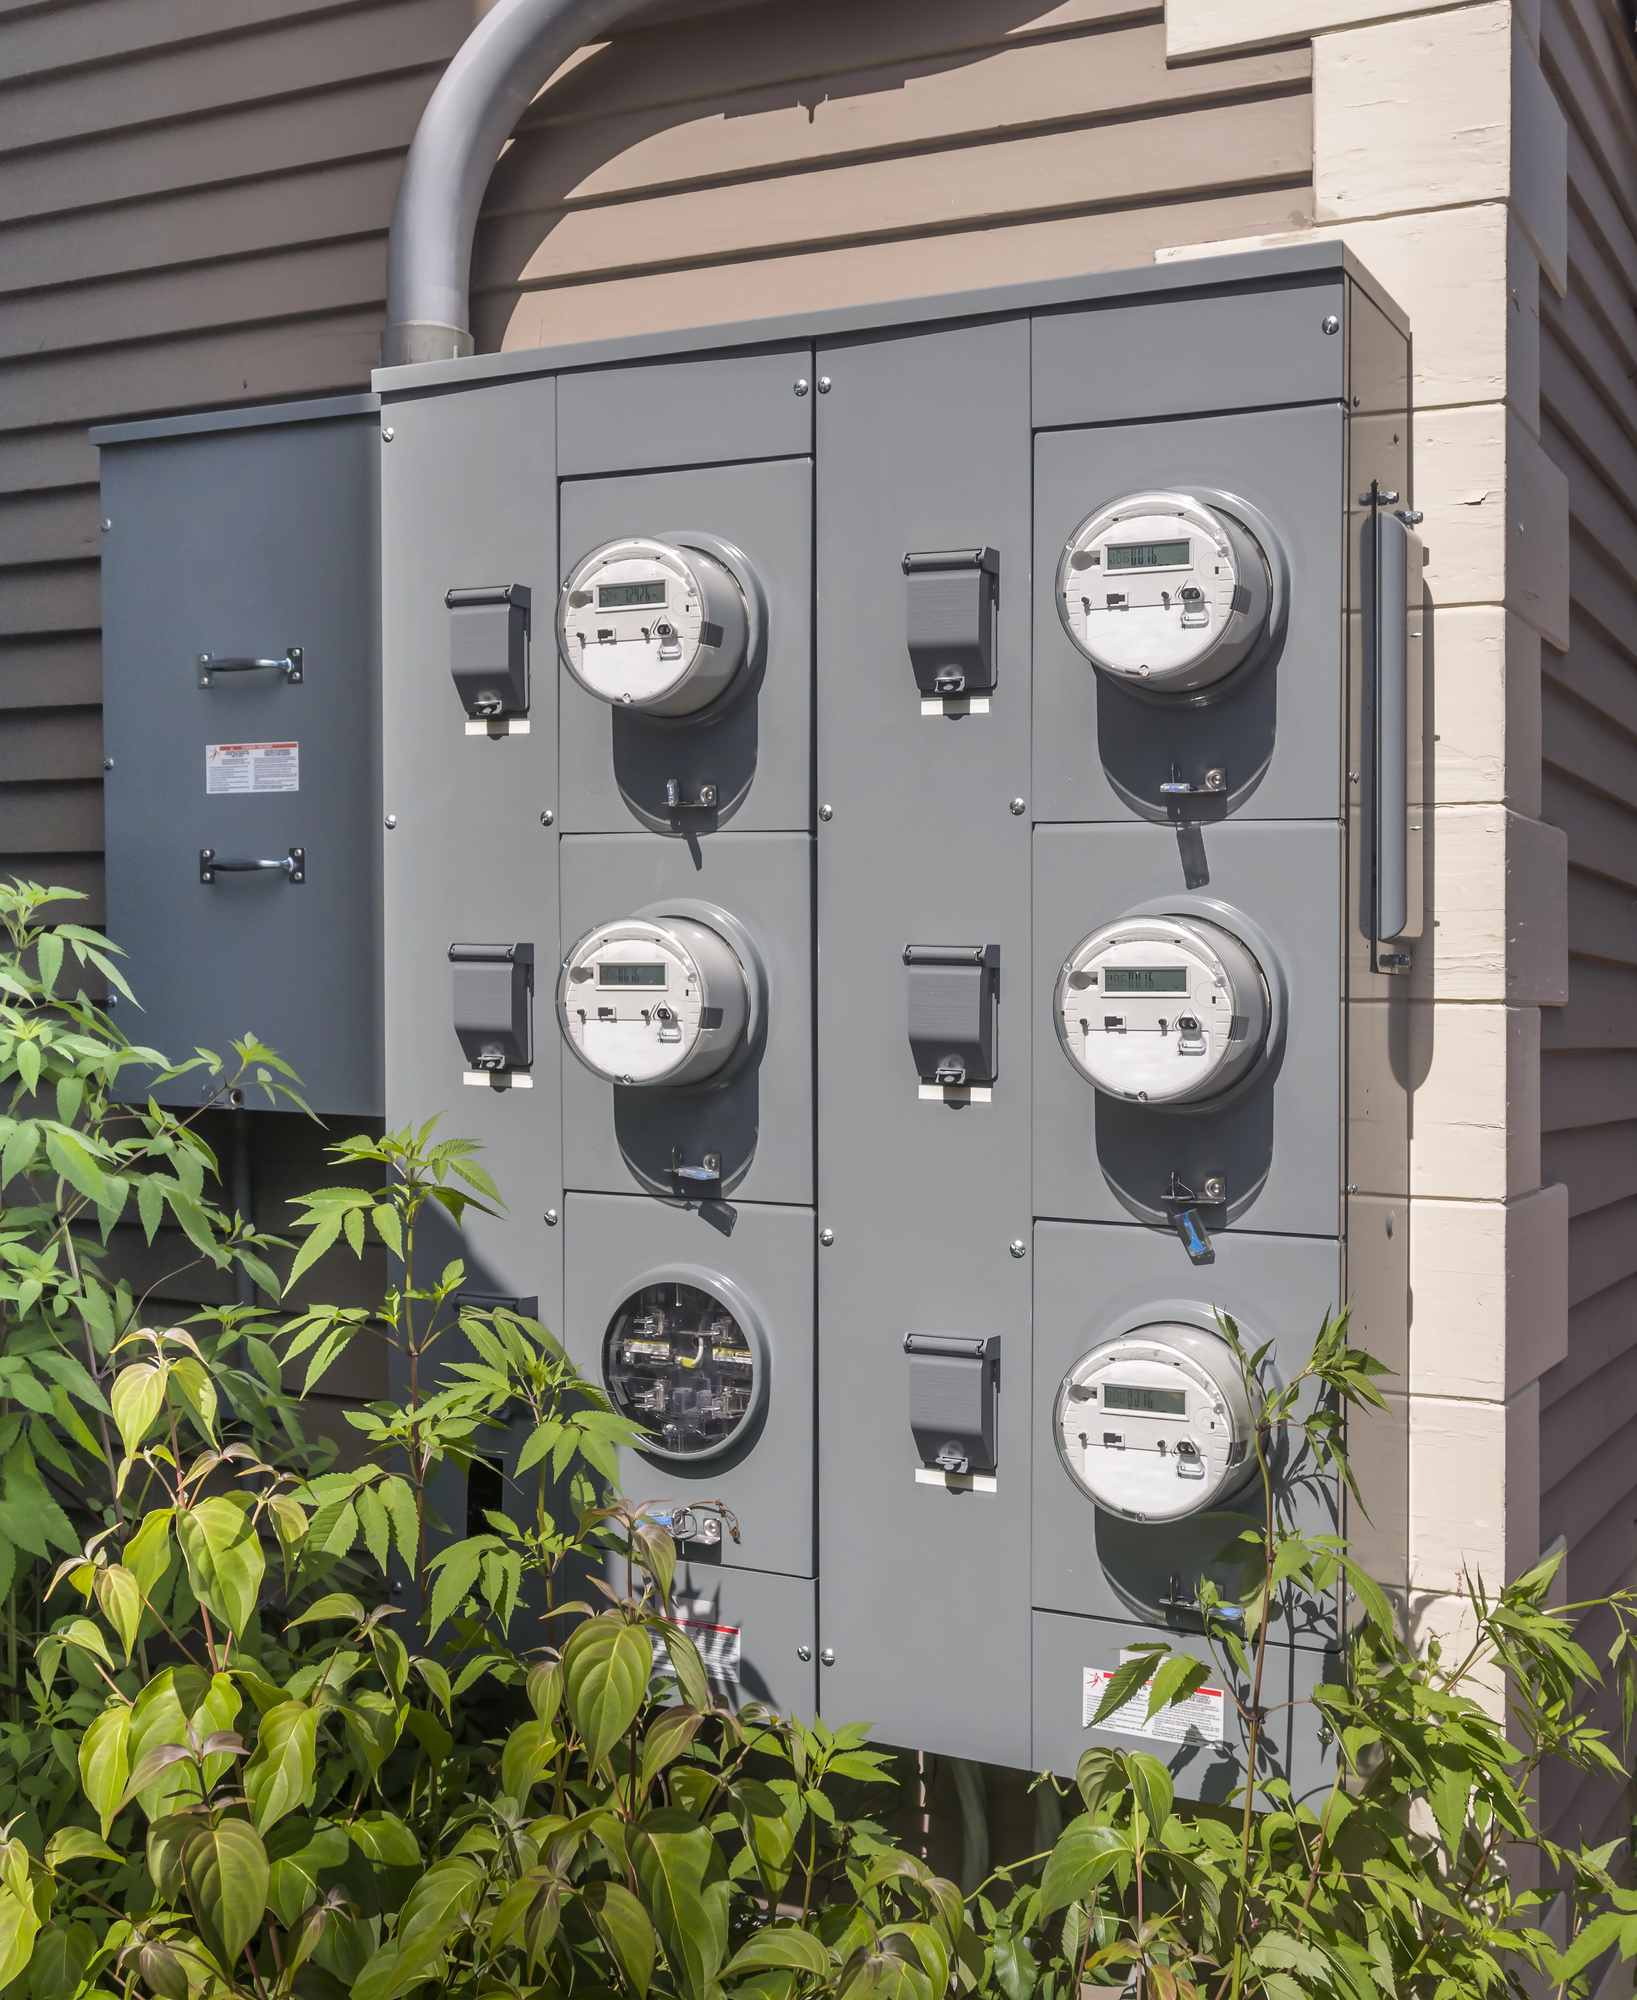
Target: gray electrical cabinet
[900,831]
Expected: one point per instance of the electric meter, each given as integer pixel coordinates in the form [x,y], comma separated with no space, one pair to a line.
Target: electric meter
[1162,1010]
[1156,1424]
[1164,592]
[653,625]
[660,1001]
[680,1365]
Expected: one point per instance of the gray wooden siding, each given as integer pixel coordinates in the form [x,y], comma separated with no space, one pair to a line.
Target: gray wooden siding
[1589,1048]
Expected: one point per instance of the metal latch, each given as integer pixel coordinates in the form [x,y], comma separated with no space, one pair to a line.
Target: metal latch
[293,867]
[1216,781]
[289,666]
[675,802]
[706,1178]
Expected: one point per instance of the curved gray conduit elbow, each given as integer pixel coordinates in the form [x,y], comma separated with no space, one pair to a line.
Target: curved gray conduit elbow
[495,75]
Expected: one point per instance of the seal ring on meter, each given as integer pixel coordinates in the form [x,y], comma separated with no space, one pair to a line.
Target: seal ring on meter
[663,627]
[1155,1424]
[685,1360]
[1164,592]
[655,1000]
[1163,1010]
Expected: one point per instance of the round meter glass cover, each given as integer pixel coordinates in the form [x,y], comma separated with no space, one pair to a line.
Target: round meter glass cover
[648,1003]
[650,625]
[677,1363]
[1162,1010]
[1156,1424]
[1163,592]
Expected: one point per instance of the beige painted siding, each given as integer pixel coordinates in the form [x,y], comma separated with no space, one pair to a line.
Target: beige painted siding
[1588,403]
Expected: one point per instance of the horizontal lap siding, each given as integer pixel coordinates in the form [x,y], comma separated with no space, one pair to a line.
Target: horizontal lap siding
[1589,743]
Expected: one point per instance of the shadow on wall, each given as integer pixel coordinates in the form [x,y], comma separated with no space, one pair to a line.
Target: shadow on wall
[707,72]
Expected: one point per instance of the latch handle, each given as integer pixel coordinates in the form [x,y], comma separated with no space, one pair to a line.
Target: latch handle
[289,666]
[1216,782]
[293,866]
[708,1174]
[675,802]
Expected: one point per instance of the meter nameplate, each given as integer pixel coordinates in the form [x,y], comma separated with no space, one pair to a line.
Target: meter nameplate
[653,1002]
[1163,1010]
[1156,1424]
[1164,592]
[654,626]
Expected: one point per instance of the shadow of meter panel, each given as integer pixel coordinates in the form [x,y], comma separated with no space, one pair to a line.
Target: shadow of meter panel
[917,743]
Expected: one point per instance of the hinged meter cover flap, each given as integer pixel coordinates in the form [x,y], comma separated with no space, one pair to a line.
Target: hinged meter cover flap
[954,1381]
[953,1000]
[494,987]
[489,648]
[951,619]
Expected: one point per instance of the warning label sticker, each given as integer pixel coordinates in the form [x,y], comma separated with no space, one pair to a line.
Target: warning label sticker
[718,1647]
[252,767]
[1199,1719]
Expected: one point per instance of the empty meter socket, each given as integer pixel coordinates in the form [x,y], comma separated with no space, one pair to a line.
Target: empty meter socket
[684,1368]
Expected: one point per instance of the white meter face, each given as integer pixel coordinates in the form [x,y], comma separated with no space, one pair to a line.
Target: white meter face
[1156,1424]
[653,626]
[1163,592]
[653,1003]
[1162,1010]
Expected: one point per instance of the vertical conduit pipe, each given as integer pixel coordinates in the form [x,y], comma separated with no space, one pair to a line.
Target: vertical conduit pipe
[494,76]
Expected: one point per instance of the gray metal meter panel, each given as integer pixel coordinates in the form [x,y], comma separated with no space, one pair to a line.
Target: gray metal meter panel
[1263,742]
[698,411]
[1097,1284]
[745,760]
[628,1259]
[922,446]
[1220,350]
[253,545]
[1266,1153]
[745,1131]
[468,500]
[1202,1742]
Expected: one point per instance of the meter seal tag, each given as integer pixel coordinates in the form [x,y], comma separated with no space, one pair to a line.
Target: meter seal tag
[1182,1206]
[1198,1719]
[247,768]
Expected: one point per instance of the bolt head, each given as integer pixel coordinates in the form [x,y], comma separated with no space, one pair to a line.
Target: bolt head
[1017,808]
[548,817]
[551,1218]
[827,1237]
[1019,1247]
[824,385]
[801,385]
[804,1652]
[107,763]
[1216,1188]
[1330,323]
[828,1656]
[391,821]
[387,433]
[827,812]
[107,525]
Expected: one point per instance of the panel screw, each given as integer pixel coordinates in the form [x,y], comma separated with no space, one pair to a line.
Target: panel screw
[107,763]
[827,1237]
[1017,808]
[1019,1247]
[804,1652]
[800,385]
[107,525]
[387,433]
[391,821]
[1352,777]
[1216,1188]
[1352,1187]
[824,385]
[828,1656]
[551,1218]
[548,817]
[827,812]
[1330,323]
[397,1590]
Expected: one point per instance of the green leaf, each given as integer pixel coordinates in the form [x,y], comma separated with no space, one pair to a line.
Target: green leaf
[224,1558]
[685,1892]
[1177,1679]
[527,1757]
[780,1945]
[77,1843]
[279,1774]
[456,1569]
[623,1926]
[119,1599]
[19,1927]
[1151,1784]
[148,1552]
[606,1666]
[1079,1861]
[336,1605]
[1014,1967]
[225,1870]
[105,1762]
[1126,1678]
[137,1397]
[385,1838]
[431,1915]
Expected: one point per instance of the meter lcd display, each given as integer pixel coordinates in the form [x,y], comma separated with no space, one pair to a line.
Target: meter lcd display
[630,975]
[1148,555]
[1157,1402]
[626,596]
[1145,979]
